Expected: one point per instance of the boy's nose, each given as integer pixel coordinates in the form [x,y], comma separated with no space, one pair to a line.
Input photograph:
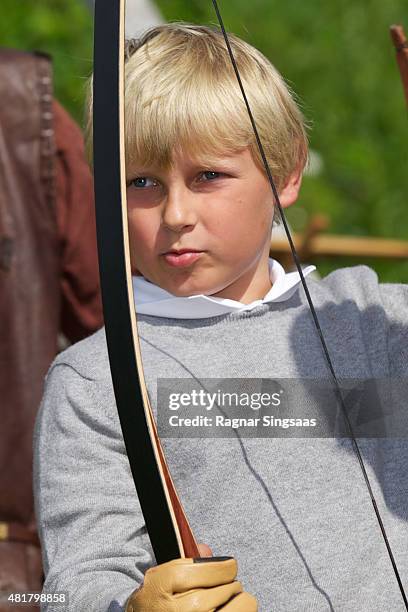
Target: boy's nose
[179,211]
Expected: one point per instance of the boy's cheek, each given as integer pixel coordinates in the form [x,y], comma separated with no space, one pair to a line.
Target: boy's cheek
[142,236]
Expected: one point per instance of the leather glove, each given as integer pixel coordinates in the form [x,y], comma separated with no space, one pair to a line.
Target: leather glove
[183,585]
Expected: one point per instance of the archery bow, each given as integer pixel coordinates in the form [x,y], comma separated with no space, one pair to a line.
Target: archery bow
[166,523]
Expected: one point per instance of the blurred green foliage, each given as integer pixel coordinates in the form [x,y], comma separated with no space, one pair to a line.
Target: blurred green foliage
[338,58]
[62,28]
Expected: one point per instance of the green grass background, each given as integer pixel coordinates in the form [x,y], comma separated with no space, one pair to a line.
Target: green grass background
[338,58]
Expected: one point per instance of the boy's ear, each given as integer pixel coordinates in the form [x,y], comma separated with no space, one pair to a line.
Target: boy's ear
[290,191]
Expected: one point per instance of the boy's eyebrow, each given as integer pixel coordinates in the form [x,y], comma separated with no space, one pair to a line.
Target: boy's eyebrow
[143,171]
[226,162]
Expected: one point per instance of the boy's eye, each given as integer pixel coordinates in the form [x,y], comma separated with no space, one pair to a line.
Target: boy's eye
[209,175]
[142,181]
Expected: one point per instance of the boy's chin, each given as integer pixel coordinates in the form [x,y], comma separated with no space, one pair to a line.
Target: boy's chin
[180,288]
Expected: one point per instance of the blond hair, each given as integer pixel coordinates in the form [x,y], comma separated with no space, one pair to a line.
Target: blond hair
[181,92]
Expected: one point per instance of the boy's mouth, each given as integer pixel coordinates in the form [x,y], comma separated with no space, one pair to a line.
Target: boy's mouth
[183,250]
[182,257]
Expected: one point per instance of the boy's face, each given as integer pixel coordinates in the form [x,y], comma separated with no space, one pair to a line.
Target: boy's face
[224,211]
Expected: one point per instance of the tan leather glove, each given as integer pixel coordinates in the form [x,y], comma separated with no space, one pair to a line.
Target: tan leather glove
[184,585]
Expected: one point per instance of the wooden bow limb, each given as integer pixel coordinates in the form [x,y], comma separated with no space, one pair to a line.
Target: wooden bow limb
[168,528]
[401,45]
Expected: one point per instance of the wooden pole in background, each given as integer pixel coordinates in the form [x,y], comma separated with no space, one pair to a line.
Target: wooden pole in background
[401,45]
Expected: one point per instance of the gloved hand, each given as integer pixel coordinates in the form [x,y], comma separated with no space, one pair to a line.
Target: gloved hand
[184,585]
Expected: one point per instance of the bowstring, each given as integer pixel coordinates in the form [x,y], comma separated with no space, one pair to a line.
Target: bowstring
[337,389]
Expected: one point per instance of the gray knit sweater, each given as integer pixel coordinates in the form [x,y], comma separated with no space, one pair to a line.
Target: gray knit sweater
[293,511]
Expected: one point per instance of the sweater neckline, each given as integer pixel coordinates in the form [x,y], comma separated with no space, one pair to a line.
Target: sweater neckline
[152,300]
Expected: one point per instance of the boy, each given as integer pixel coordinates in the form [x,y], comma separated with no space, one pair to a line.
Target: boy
[211,304]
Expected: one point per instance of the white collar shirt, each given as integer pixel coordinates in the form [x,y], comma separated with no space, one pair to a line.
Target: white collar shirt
[150,299]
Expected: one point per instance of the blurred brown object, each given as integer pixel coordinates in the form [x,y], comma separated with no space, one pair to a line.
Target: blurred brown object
[312,244]
[401,45]
[49,283]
